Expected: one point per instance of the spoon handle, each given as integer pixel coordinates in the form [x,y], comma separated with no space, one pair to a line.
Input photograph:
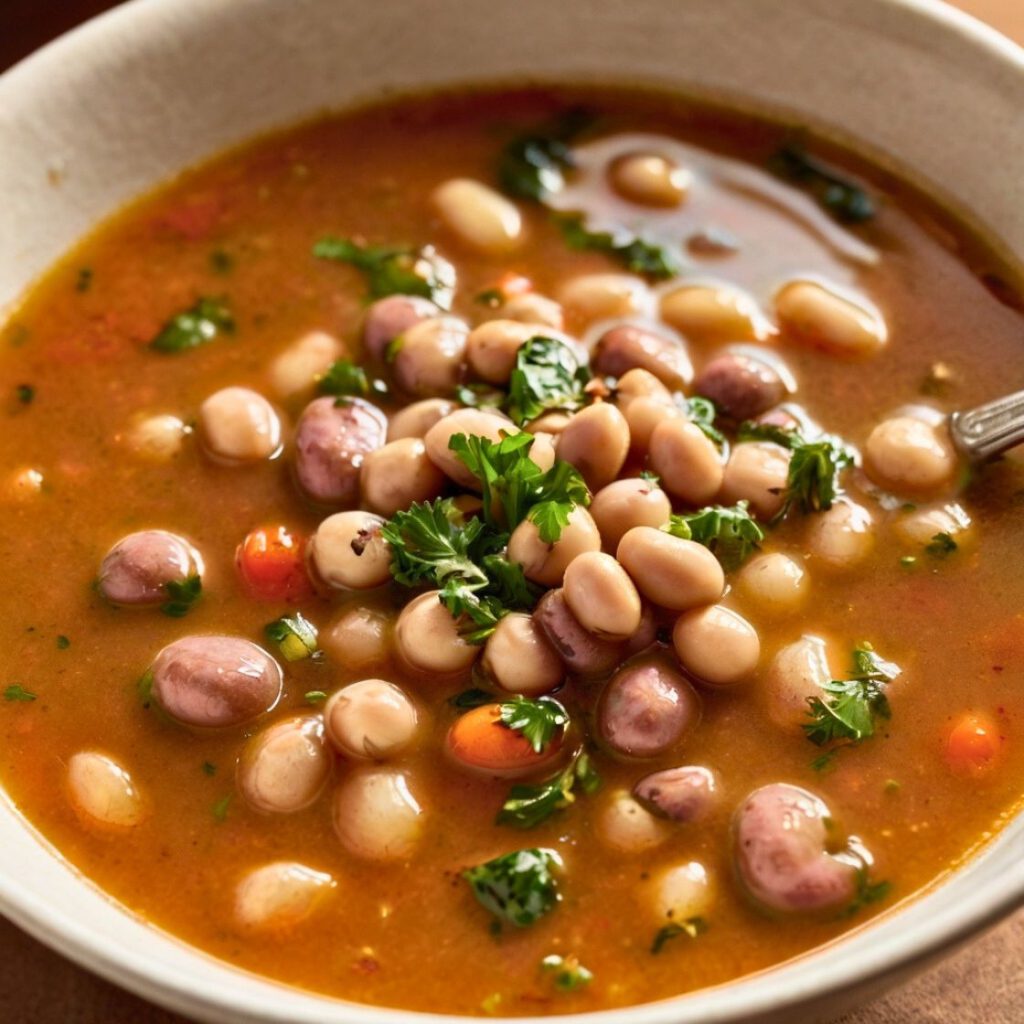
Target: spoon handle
[989,429]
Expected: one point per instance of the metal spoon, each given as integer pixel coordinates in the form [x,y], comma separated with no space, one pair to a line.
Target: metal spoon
[990,429]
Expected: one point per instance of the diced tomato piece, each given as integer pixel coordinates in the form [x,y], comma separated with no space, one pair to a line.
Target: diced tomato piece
[973,744]
[271,562]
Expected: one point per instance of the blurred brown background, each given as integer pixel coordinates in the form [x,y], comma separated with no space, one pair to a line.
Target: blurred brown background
[984,984]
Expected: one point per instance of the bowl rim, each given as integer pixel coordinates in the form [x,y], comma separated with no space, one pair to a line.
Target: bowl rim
[777,987]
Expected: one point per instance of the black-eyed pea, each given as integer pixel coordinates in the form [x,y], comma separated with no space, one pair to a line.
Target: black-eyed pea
[279,896]
[415,419]
[714,313]
[376,815]
[427,638]
[669,571]
[284,768]
[348,552]
[371,720]
[628,346]
[492,347]
[716,645]
[519,658]
[921,526]
[593,297]
[774,583]
[238,425]
[626,826]
[626,503]
[360,636]
[649,179]
[601,595]
[683,893]
[400,473]
[596,442]
[482,218]
[757,471]
[102,791]
[910,456]
[531,308]
[821,316]
[296,369]
[545,563]
[472,423]
[797,673]
[687,461]
[841,537]
[430,356]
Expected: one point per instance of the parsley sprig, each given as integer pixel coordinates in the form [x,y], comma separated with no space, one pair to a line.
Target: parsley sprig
[838,196]
[344,378]
[632,251]
[518,887]
[537,720]
[731,534]
[528,804]
[547,376]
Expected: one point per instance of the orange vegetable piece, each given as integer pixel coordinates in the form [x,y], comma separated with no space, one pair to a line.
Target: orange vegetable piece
[479,741]
[272,565]
[973,744]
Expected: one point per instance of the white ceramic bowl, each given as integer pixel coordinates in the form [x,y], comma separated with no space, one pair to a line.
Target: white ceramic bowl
[124,102]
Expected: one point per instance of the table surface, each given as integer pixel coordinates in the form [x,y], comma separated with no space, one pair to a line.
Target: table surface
[983,984]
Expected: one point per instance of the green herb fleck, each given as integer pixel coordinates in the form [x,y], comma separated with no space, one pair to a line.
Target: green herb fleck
[490,297]
[702,412]
[25,393]
[868,892]
[892,786]
[528,804]
[145,689]
[314,696]
[221,261]
[538,720]
[344,378]
[731,534]
[183,594]
[518,887]
[63,643]
[941,546]
[567,973]
[296,637]
[209,768]
[692,928]
[220,808]
[468,699]
[908,561]
[839,197]
[15,692]
[633,252]
[83,279]
[199,325]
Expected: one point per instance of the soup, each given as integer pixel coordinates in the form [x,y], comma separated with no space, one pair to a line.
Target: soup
[502,553]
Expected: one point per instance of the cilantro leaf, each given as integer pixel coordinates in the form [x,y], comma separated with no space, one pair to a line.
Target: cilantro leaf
[518,887]
[183,594]
[344,378]
[394,269]
[841,198]
[547,376]
[200,324]
[630,250]
[691,927]
[296,637]
[730,534]
[537,720]
[528,804]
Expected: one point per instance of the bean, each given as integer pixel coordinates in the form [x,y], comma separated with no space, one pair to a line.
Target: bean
[687,461]
[492,348]
[596,442]
[649,179]
[360,636]
[103,792]
[623,504]
[780,844]
[376,816]
[297,368]
[602,596]
[646,709]
[416,419]
[481,217]
[348,552]
[400,473]
[639,383]
[583,653]
[544,451]
[797,673]
[239,425]
[820,316]
[910,456]
[777,584]
[672,572]
[280,895]
[472,423]
[551,423]
[372,719]
[714,313]
[626,826]
[331,441]
[480,742]
[215,681]
[389,318]
[689,793]
[841,537]
[757,472]
[158,438]
[284,768]
[531,308]
[519,658]
[428,639]
[139,568]
[645,415]
[430,357]
[921,525]
[716,645]
[593,297]
[546,563]
[628,347]
[683,893]
[740,386]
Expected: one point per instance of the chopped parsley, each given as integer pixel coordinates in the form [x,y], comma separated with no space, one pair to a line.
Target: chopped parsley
[547,376]
[731,534]
[199,325]
[209,768]
[344,378]
[144,687]
[868,892]
[517,887]
[296,637]
[220,808]
[394,269]
[702,412]
[182,594]
[941,546]
[538,720]
[566,972]
[528,804]
[15,692]
[533,166]
[633,252]
[25,393]
[692,927]
[83,279]
[839,197]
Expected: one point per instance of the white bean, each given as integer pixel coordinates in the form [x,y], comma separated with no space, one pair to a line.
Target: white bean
[492,348]
[348,552]
[531,308]
[427,637]
[601,595]
[714,313]
[683,892]
[284,768]
[481,217]
[416,419]
[372,719]
[280,895]
[296,369]
[239,425]
[649,179]
[158,438]
[672,572]
[605,296]
[429,356]
[777,584]
[687,461]
[716,645]
[400,473]
[546,563]
[376,817]
[627,826]
[841,537]
[910,456]
[360,636]
[797,673]
[757,472]
[472,423]
[822,316]
[519,658]
[596,442]
[103,792]
[922,525]
[624,504]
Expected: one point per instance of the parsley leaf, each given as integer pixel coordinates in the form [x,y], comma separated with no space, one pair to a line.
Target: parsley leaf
[394,269]
[296,638]
[547,376]
[567,972]
[691,927]
[199,325]
[730,534]
[518,887]
[941,545]
[344,378]
[538,720]
[16,692]
[630,250]
[528,804]
[183,594]
[868,892]
[702,412]
[839,197]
